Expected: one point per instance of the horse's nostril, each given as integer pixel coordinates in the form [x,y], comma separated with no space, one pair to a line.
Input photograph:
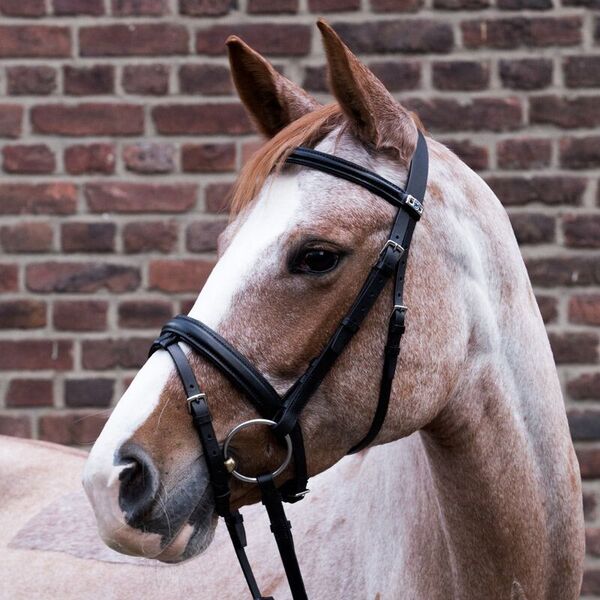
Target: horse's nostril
[139,481]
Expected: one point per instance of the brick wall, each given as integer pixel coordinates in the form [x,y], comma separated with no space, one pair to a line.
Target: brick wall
[120,136]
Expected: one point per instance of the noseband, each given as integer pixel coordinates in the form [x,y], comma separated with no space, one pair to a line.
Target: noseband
[282,413]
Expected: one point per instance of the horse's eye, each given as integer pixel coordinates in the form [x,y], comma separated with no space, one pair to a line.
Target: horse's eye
[315,261]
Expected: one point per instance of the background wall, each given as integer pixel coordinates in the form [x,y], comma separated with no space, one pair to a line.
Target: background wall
[120,137]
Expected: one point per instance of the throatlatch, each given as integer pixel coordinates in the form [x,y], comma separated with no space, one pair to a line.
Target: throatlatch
[282,413]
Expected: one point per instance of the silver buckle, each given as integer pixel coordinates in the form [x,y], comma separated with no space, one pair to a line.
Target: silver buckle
[193,399]
[414,203]
[301,494]
[394,245]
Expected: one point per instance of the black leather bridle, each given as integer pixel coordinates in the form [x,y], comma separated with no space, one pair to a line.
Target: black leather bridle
[282,413]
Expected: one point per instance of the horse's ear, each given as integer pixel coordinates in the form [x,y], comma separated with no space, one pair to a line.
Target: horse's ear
[272,100]
[376,118]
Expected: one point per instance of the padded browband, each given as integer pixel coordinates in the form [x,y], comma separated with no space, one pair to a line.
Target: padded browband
[227,359]
[338,167]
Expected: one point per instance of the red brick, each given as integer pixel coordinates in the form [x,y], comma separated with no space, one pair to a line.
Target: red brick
[30,80]
[154,236]
[147,39]
[565,112]
[526,73]
[70,8]
[87,393]
[249,147]
[589,462]
[72,428]
[386,6]
[140,197]
[477,157]
[11,116]
[591,581]
[460,4]
[585,309]
[33,355]
[26,237]
[323,6]
[209,80]
[272,6]
[185,306]
[22,314]
[584,424]
[270,38]
[81,277]
[205,8]
[147,80]
[552,190]
[88,237]
[90,158]
[202,236]
[37,199]
[461,75]
[568,271]
[88,119]
[590,506]
[582,231]
[34,41]
[9,278]
[533,228]
[207,158]
[16,426]
[580,153]
[524,153]
[574,348]
[218,197]
[89,81]
[201,119]
[582,71]
[548,308]
[29,392]
[139,8]
[23,8]
[179,275]
[144,314]
[129,353]
[592,541]
[79,315]
[148,157]
[584,387]
[33,159]
[524,4]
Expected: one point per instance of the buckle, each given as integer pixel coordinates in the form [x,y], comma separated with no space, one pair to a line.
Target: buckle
[301,494]
[194,398]
[414,204]
[395,246]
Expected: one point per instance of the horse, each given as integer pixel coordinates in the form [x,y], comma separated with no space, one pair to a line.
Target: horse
[471,489]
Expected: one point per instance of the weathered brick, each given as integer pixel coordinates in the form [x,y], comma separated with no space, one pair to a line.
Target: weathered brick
[22,314]
[582,231]
[590,505]
[88,119]
[87,393]
[513,32]
[387,6]
[574,348]
[584,424]
[33,355]
[460,4]
[526,73]
[551,190]
[185,275]
[206,8]
[209,80]
[37,199]
[139,8]
[414,36]
[461,75]
[202,236]
[584,387]
[128,353]
[89,81]
[80,159]
[585,309]
[589,462]
[33,159]
[88,237]
[34,41]
[582,71]
[591,581]
[9,278]
[65,277]
[79,315]
[147,80]
[72,428]
[279,39]
[15,425]
[533,228]
[147,39]
[218,197]
[592,541]
[11,116]
[585,3]
[140,197]
[580,153]
[201,119]
[206,158]
[71,8]
[272,7]
[524,4]
[26,237]
[150,236]
[144,314]
[23,8]
[477,157]
[29,393]
[148,157]
[30,80]
[553,271]
[548,308]
[565,112]
[524,153]
[324,6]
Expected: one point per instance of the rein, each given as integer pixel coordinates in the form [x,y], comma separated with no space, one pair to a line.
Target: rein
[282,413]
